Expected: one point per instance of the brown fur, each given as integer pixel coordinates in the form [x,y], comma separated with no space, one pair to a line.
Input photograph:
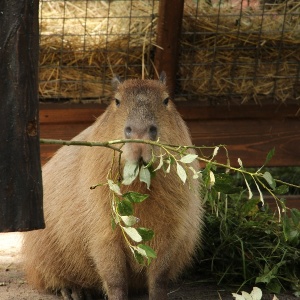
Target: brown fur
[78,248]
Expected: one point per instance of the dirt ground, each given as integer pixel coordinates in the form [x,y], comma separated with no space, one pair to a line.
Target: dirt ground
[13,285]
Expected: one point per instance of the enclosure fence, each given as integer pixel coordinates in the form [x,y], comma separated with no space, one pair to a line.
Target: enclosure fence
[241,51]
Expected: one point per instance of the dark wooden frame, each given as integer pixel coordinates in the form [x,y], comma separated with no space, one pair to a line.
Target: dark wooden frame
[21,191]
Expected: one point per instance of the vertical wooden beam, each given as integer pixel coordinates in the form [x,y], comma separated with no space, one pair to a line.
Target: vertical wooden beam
[169,24]
[20,171]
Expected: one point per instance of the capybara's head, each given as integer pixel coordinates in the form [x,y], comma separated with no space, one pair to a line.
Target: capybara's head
[144,110]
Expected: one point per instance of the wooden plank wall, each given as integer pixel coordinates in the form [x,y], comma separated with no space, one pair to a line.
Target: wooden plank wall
[249,132]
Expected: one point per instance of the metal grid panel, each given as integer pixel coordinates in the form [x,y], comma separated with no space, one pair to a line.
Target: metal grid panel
[83,43]
[241,51]
[238,51]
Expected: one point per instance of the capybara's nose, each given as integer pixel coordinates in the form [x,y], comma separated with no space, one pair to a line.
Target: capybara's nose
[128,132]
[152,132]
[148,133]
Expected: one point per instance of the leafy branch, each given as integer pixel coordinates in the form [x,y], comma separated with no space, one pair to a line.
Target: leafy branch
[182,150]
[122,204]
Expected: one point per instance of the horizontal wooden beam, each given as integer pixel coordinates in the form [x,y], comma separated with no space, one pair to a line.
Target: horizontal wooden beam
[80,113]
[249,132]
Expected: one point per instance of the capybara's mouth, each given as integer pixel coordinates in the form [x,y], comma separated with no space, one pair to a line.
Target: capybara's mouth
[137,153]
[142,162]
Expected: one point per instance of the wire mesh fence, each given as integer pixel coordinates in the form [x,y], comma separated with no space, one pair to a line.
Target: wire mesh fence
[238,50]
[241,50]
[83,43]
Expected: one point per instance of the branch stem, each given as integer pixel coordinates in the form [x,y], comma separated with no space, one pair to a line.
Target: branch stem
[169,147]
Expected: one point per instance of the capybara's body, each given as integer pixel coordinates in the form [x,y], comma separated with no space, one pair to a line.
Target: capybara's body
[79,248]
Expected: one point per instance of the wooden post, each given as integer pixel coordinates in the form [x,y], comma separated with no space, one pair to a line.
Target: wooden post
[170,16]
[20,171]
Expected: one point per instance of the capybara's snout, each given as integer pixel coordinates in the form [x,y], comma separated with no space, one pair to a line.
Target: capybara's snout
[136,152]
[148,132]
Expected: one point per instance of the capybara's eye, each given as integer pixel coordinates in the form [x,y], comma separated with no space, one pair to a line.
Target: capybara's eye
[117,102]
[166,101]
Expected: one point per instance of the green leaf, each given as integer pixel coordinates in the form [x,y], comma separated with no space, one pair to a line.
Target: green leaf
[139,257]
[114,187]
[146,251]
[256,293]
[145,233]
[169,166]
[246,295]
[250,207]
[269,274]
[225,184]
[130,172]
[189,158]
[250,194]
[240,162]
[270,180]
[269,156]
[291,233]
[261,197]
[274,286]
[181,173]
[129,220]
[169,161]
[216,150]
[205,174]
[295,215]
[161,162]
[125,207]
[266,277]
[237,296]
[135,197]
[133,234]
[212,179]
[297,293]
[145,176]
[282,189]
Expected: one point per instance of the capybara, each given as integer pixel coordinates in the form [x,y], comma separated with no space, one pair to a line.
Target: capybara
[78,250]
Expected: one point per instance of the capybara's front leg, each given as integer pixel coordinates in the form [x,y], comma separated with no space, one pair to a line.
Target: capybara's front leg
[117,291]
[113,272]
[158,284]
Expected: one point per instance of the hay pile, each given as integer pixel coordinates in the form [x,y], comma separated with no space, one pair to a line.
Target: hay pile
[249,54]
[83,43]
[253,53]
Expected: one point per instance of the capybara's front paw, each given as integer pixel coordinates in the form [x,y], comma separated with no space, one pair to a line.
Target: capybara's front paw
[77,293]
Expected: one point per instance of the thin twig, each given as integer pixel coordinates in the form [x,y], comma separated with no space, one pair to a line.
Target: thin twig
[167,147]
[80,143]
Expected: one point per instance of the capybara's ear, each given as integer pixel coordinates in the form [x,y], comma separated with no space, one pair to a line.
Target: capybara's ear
[163,77]
[115,82]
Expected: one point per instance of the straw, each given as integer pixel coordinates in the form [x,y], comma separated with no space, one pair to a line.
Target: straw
[247,52]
